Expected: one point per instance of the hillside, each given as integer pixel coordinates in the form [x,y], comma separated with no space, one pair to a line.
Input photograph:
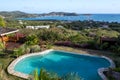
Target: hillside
[19,14]
[15,14]
[59,14]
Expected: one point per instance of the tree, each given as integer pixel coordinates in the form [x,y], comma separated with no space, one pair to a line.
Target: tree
[2,22]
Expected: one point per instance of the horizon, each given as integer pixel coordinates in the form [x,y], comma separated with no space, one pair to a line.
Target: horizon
[78,6]
[56,12]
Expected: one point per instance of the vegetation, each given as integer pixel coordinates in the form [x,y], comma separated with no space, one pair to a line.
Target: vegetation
[19,51]
[44,75]
[19,14]
[35,48]
[2,46]
[2,22]
[32,40]
[80,34]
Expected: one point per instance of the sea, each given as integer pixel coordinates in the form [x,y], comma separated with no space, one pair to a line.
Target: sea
[81,17]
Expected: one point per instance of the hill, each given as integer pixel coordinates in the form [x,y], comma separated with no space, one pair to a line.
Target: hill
[19,14]
[15,14]
[59,14]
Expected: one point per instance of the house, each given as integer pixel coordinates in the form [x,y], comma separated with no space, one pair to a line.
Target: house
[11,41]
[38,27]
[6,31]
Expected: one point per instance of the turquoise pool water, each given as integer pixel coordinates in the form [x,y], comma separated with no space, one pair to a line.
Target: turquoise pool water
[62,63]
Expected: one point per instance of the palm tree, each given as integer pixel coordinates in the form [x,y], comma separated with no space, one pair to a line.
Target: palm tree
[36,76]
[44,75]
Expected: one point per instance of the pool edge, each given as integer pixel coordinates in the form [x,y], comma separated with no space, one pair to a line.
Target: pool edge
[11,70]
[102,70]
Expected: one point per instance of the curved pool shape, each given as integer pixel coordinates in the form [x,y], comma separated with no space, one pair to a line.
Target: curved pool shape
[62,63]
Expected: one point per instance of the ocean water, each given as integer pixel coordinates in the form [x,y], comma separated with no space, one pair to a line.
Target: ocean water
[95,17]
[62,63]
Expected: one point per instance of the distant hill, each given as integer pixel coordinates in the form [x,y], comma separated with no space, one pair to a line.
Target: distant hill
[16,14]
[59,14]
[19,14]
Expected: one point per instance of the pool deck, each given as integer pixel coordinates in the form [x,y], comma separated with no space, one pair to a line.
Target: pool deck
[26,76]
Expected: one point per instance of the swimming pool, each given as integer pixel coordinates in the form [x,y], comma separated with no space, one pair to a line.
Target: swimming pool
[63,62]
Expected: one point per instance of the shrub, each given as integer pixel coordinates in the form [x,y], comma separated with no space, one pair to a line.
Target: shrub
[32,40]
[51,36]
[113,48]
[78,38]
[64,43]
[117,69]
[35,48]
[104,45]
[118,50]
[49,46]
[19,51]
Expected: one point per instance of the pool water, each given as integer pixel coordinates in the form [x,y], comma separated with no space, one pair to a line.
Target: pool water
[63,63]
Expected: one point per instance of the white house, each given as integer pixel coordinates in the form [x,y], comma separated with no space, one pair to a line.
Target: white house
[38,27]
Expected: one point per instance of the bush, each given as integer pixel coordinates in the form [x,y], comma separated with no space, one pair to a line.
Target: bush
[113,48]
[78,38]
[49,46]
[104,46]
[64,43]
[32,40]
[49,36]
[19,51]
[118,50]
[117,69]
[35,48]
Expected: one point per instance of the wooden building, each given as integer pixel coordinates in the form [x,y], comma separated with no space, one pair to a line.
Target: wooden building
[4,32]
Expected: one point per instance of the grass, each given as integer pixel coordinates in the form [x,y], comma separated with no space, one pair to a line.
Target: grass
[5,61]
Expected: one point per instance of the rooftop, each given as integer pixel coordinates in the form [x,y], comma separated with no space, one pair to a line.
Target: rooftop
[5,31]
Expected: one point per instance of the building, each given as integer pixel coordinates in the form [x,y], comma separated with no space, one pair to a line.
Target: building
[38,27]
[6,31]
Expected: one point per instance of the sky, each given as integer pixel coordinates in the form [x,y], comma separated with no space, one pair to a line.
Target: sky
[46,6]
